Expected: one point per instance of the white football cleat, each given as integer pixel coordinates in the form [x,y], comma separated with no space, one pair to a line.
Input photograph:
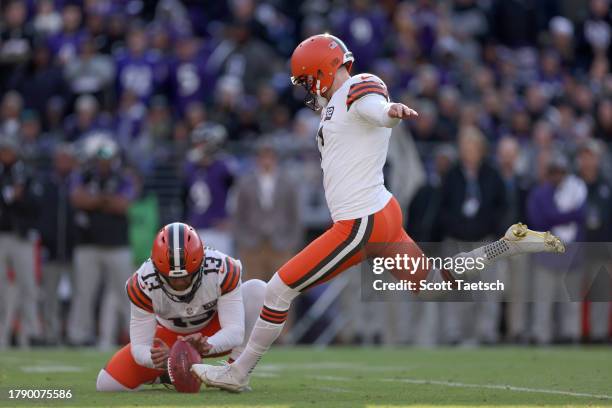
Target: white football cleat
[523,240]
[223,377]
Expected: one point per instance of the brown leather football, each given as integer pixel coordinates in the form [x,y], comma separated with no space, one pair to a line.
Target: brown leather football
[182,356]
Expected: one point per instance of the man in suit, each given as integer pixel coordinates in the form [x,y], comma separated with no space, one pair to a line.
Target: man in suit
[472,194]
[267,229]
[598,233]
[558,202]
[515,271]
[57,231]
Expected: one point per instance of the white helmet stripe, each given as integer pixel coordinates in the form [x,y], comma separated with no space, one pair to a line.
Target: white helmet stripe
[177,246]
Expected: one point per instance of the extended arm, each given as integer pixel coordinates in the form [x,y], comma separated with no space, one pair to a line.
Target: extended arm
[142,332]
[376,110]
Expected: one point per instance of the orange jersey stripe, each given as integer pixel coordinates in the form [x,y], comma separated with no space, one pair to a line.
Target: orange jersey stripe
[137,295]
[360,85]
[146,306]
[146,300]
[134,299]
[349,103]
[364,91]
[229,275]
[234,283]
[231,280]
[139,292]
[355,89]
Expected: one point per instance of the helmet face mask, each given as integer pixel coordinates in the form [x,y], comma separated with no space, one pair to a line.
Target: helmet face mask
[307,82]
[183,296]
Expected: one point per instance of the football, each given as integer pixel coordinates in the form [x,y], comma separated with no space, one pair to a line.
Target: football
[182,356]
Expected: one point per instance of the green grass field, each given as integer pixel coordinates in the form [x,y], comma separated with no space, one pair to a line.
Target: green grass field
[346,377]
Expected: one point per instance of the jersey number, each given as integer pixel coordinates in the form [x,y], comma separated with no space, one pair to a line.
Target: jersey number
[180,322]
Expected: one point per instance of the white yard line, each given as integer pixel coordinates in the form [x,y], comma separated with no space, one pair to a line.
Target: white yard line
[330,378]
[310,366]
[265,375]
[51,369]
[337,365]
[331,366]
[498,387]
[332,389]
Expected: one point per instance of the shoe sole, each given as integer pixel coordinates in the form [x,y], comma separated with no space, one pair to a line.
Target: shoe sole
[551,241]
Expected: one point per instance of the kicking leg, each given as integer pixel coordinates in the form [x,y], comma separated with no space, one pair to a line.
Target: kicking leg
[517,240]
[337,249]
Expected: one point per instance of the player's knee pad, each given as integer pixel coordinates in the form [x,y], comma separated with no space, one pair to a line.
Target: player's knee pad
[106,383]
[278,295]
[253,292]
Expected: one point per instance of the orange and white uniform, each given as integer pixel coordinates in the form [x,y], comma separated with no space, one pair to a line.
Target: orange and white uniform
[217,311]
[353,140]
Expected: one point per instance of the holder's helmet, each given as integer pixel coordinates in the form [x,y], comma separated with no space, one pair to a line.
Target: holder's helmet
[178,252]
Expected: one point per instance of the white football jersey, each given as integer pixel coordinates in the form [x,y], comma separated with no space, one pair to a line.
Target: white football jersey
[221,275]
[353,151]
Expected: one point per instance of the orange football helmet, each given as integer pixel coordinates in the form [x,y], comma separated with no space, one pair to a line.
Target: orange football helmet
[314,64]
[178,252]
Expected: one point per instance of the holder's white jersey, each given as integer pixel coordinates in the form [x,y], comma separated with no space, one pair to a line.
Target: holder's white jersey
[353,140]
[221,275]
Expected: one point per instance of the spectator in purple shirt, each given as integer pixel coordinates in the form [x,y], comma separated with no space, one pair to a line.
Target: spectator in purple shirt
[139,70]
[65,44]
[557,204]
[130,118]
[189,80]
[207,179]
[361,26]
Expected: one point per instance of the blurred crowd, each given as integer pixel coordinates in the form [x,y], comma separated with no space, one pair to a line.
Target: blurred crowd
[106,103]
